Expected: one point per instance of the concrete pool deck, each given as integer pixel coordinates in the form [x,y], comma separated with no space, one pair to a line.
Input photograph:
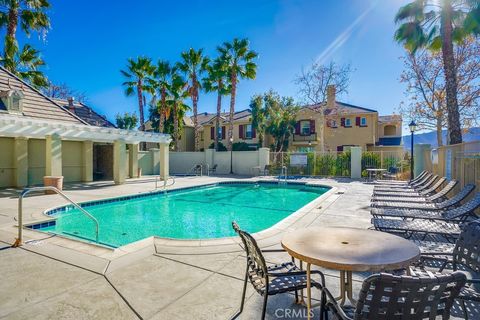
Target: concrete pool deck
[56,278]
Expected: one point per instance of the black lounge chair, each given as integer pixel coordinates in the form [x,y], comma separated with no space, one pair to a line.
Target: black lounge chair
[271,280]
[408,228]
[391,297]
[414,197]
[466,253]
[423,184]
[426,192]
[393,182]
[460,213]
[213,169]
[452,202]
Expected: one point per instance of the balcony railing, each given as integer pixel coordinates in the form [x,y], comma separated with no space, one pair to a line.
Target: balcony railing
[300,137]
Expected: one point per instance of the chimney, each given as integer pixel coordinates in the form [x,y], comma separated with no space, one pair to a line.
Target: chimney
[331,97]
[71,106]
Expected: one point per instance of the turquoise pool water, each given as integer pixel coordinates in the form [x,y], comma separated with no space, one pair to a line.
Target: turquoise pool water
[197,213]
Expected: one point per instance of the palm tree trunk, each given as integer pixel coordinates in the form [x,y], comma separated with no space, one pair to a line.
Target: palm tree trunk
[10,39]
[196,130]
[140,104]
[163,109]
[219,110]
[455,131]
[232,110]
[175,125]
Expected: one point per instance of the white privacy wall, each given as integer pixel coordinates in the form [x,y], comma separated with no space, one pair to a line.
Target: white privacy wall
[243,161]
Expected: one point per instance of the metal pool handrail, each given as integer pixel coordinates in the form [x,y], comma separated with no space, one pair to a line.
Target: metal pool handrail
[26,191]
[157,178]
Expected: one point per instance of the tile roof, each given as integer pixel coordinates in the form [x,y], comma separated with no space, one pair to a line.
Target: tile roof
[342,108]
[86,113]
[205,118]
[35,104]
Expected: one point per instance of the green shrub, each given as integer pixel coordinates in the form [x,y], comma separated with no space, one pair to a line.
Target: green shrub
[241,146]
[221,147]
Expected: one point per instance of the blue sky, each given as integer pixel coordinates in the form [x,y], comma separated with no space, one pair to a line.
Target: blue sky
[90,42]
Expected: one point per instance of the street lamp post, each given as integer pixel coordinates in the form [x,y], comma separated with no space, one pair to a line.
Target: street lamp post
[413,127]
[231,155]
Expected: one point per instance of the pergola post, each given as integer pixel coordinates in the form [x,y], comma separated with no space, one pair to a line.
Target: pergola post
[119,162]
[164,160]
[53,152]
[87,161]
[20,161]
[133,160]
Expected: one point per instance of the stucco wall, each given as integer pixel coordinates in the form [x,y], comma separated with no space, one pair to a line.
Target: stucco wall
[207,141]
[182,162]
[243,161]
[6,162]
[145,162]
[72,161]
[36,161]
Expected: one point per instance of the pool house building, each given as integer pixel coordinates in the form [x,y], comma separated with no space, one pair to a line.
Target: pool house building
[40,136]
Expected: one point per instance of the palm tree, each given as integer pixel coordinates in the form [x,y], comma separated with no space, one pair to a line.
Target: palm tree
[193,64]
[138,75]
[178,91]
[25,64]
[217,81]
[30,14]
[241,65]
[161,83]
[436,24]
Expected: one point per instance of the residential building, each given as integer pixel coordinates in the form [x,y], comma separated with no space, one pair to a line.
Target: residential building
[186,141]
[242,129]
[40,137]
[346,125]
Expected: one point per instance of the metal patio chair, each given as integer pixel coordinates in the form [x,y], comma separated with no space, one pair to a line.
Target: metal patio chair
[274,279]
[452,202]
[390,297]
[213,169]
[466,254]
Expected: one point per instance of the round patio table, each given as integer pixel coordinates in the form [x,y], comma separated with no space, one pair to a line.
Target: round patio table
[348,250]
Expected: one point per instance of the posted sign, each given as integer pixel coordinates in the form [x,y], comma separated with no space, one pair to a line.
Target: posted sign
[298,159]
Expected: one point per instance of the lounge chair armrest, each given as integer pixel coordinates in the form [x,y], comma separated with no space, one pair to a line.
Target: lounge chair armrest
[445,261]
[274,250]
[432,254]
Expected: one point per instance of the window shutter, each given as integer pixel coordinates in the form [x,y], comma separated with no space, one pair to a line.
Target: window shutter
[297,127]
[223,133]
[212,133]
[254,133]
[312,126]
[240,131]
[357,121]
[342,122]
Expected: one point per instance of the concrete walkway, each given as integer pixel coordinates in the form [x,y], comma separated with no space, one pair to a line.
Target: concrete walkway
[51,278]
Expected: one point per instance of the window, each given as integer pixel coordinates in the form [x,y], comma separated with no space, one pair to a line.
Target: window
[248,131]
[12,100]
[305,128]
[348,122]
[333,123]
[363,122]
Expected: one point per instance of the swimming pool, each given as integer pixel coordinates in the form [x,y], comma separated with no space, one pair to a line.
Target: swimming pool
[204,212]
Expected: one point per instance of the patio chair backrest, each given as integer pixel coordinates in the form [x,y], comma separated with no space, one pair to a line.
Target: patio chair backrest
[386,296]
[456,199]
[467,247]
[434,187]
[464,210]
[258,273]
[422,181]
[445,190]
